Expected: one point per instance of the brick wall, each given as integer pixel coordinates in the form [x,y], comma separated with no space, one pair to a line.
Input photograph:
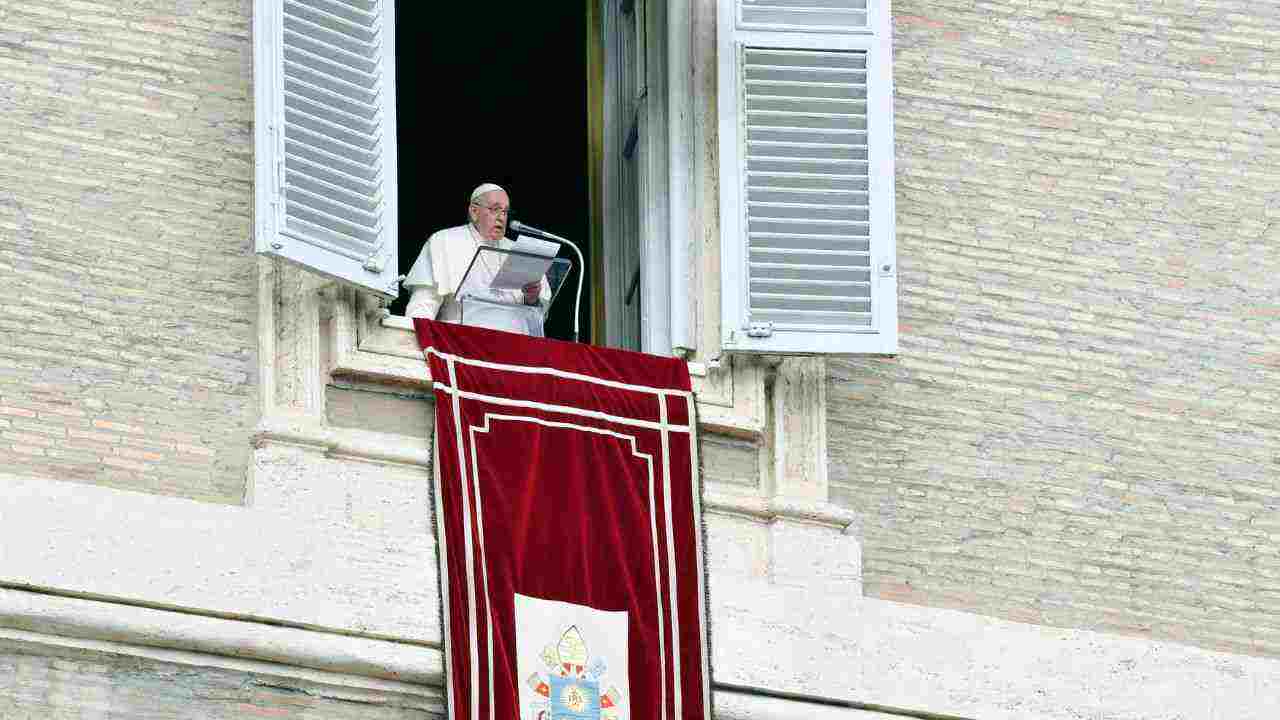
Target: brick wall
[127,338]
[62,684]
[1083,426]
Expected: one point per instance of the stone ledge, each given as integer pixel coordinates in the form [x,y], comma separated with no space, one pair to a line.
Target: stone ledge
[742,704]
[774,509]
[308,431]
[93,620]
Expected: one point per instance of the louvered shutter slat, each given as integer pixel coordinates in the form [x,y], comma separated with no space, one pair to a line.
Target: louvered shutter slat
[355,75]
[788,211]
[330,163]
[369,7]
[796,243]
[800,195]
[356,12]
[778,87]
[325,238]
[365,141]
[357,223]
[362,29]
[363,161]
[336,230]
[298,104]
[331,101]
[368,201]
[297,37]
[804,227]
[333,118]
[825,15]
[331,85]
[840,260]
[299,165]
[302,20]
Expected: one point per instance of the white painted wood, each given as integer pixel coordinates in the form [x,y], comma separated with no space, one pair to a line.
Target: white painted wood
[654,199]
[325,138]
[638,220]
[704,156]
[808,259]
[805,15]
[680,112]
[621,323]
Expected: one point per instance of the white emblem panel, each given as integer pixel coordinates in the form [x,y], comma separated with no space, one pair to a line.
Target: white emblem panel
[572,661]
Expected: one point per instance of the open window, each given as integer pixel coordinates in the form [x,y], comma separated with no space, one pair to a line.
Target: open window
[339,111]
[806,177]
[806,152]
[376,118]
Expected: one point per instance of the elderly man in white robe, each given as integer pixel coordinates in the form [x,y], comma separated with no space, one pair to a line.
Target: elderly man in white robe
[433,281]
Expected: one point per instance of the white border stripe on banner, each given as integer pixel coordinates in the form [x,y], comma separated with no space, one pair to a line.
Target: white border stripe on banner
[555,372]
[676,694]
[484,566]
[565,409]
[653,528]
[467,552]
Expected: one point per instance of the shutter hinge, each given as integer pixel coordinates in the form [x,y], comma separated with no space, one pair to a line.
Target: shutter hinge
[760,330]
[376,260]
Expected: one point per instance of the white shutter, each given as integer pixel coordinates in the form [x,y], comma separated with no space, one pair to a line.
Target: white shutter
[326,137]
[806,177]
[807,15]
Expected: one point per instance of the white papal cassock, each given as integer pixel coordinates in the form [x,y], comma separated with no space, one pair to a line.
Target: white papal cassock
[434,279]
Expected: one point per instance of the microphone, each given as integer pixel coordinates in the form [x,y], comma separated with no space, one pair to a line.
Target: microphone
[520,227]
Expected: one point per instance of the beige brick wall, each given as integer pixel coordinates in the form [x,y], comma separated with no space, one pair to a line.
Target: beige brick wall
[127,338]
[1083,426]
[42,683]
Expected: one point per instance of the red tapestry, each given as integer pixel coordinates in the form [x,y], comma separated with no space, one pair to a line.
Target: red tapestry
[569,527]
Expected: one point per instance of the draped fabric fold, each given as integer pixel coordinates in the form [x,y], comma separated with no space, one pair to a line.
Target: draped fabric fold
[568,518]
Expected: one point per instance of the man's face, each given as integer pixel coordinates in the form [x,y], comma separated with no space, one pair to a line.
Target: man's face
[489,214]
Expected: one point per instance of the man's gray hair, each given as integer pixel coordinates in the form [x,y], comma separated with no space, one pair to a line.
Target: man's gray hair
[485,188]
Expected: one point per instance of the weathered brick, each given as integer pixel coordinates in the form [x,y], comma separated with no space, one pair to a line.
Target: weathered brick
[128,271]
[1089,262]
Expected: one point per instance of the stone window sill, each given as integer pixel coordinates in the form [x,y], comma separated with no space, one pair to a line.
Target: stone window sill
[366,343]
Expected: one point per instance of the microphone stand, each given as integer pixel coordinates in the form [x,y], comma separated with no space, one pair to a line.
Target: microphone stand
[520,227]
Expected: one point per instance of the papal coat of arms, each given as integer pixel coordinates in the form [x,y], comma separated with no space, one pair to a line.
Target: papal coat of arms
[572,683]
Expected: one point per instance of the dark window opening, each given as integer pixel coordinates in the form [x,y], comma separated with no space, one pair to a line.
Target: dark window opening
[499,95]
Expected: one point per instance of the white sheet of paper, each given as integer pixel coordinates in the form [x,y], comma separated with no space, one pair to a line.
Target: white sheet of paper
[519,270]
[545,248]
